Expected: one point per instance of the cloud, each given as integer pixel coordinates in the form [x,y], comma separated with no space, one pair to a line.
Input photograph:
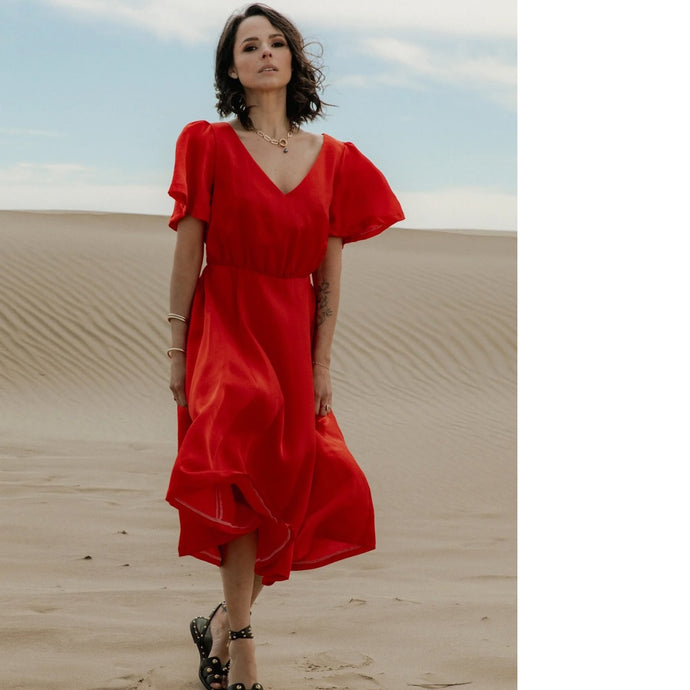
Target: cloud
[371,81]
[415,65]
[31,133]
[174,19]
[460,208]
[447,67]
[195,22]
[75,187]
[43,173]
[147,199]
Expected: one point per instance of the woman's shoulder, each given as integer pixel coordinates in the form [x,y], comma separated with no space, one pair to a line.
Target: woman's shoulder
[195,132]
[338,143]
[347,153]
[201,135]
[203,126]
[343,150]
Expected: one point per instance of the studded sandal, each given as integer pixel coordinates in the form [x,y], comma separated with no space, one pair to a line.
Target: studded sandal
[244,634]
[211,670]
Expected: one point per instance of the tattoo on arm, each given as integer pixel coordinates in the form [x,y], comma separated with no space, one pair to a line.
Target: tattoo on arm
[323,310]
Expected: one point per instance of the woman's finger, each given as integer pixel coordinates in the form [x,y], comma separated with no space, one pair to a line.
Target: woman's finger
[322,406]
[179,395]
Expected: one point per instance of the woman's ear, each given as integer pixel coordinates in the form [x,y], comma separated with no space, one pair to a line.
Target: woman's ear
[231,73]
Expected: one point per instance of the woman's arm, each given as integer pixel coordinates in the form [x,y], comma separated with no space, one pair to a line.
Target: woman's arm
[327,292]
[189,253]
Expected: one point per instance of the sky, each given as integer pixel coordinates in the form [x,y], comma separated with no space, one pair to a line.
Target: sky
[95,92]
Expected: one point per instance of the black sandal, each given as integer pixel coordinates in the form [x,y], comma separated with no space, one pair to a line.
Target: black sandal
[244,634]
[211,670]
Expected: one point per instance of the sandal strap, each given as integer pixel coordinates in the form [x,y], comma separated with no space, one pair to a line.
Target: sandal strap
[220,606]
[200,628]
[207,621]
[244,634]
[199,635]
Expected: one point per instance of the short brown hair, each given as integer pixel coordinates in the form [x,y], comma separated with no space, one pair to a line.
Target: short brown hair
[303,102]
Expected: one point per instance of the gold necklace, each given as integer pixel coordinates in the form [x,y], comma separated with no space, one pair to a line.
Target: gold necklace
[276,142]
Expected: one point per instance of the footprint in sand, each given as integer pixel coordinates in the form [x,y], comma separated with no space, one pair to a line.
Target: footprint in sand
[348,681]
[339,670]
[335,661]
[152,679]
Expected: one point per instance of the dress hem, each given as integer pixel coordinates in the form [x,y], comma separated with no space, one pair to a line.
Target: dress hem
[211,553]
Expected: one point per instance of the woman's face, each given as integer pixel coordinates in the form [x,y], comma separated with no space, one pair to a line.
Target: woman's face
[261,54]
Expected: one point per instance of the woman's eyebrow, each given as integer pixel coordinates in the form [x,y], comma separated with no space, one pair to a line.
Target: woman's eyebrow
[256,38]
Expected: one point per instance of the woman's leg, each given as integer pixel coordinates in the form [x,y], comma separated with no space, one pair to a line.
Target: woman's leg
[220,626]
[240,589]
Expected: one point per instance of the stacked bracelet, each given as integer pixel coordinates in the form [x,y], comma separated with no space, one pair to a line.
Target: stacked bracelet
[177,317]
[321,364]
[170,350]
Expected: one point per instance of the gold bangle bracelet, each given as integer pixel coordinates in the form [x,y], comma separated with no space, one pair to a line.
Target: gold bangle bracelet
[177,317]
[170,350]
[321,364]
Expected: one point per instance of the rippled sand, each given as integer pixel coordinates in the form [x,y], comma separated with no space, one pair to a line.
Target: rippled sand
[92,591]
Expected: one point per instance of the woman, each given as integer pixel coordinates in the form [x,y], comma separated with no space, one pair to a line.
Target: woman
[263,481]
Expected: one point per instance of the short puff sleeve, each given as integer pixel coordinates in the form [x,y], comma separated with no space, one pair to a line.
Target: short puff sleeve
[192,181]
[363,203]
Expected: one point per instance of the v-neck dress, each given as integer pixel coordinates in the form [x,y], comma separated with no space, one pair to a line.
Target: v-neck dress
[252,456]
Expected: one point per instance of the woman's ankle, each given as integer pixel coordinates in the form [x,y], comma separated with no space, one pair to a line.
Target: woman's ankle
[243,668]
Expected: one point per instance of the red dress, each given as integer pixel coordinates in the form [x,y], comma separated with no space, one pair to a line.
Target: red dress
[252,455]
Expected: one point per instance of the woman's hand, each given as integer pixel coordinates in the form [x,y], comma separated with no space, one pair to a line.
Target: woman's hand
[326,280]
[177,378]
[189,254]
[323,393]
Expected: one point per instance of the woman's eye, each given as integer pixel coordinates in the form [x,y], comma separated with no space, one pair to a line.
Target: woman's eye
[276,44]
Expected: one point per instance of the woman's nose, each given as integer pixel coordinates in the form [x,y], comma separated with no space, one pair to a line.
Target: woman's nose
[266,52]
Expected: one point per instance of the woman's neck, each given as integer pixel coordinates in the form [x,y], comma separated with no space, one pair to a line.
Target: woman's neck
[268,112]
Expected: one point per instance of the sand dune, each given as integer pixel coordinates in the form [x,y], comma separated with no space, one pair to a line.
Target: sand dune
[424,370]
